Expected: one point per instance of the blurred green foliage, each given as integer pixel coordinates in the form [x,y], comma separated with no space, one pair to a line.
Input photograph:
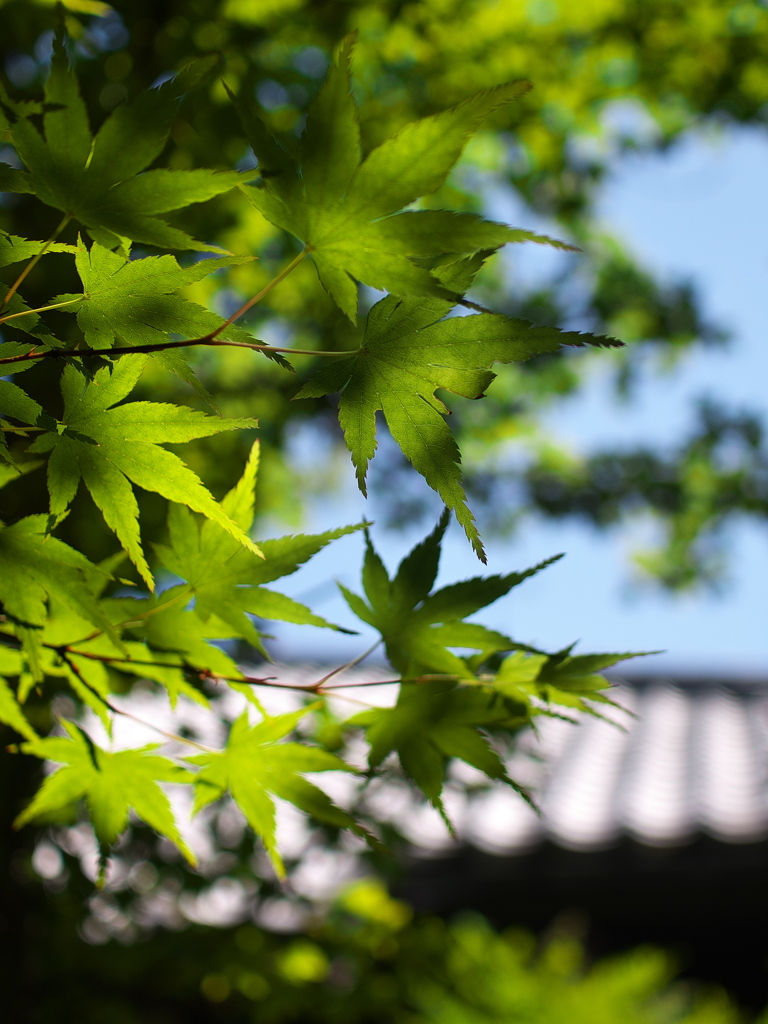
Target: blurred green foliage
[367,962]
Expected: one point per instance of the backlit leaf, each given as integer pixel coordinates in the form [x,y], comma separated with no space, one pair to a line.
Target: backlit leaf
[411,349]
[112,784]
[226,579]
[434,721]
[421,629]
[98,181]
[255,767]
[345,209]
[110,448]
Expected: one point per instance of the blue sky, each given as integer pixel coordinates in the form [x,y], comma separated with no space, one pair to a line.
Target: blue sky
[697,212]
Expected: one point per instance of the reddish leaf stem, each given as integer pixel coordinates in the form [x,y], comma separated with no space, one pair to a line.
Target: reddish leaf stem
[260,295]
[207,339]
[66,658]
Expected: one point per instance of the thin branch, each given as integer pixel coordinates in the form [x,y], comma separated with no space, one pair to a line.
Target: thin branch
[69,650]
[297,687]
[110,659]
[163,732]
[127,622]
[431,678]
[264,291]
[269,681]
[352,700]
[183,594]
[469,304]
[349,664]
[368,682]
[128,714]
[26,355]
[160,346]
[40,309]
[245,679]
[211,339]
[33,262]
[320,688]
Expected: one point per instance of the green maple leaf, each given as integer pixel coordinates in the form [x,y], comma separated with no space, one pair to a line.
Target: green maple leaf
[15,402]
[111,783]
[418,627]
[29,323]
[572,681]
[11,660]
[11,713]
[174,635]
[14,249]
[131,303]
[412,348]
[225,579]
[110,447]
[168,668]
[98,180]
[435,721]
[341,206]
[37,567]
[14,180]
[89,679]
[255,767]
[132,300]
[19,108]
[580,673]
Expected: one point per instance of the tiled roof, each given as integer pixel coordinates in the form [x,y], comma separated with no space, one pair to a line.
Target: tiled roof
[693,760]
[690,759]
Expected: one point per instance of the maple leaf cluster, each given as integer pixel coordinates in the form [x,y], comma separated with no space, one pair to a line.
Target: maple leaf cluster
[464,689]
